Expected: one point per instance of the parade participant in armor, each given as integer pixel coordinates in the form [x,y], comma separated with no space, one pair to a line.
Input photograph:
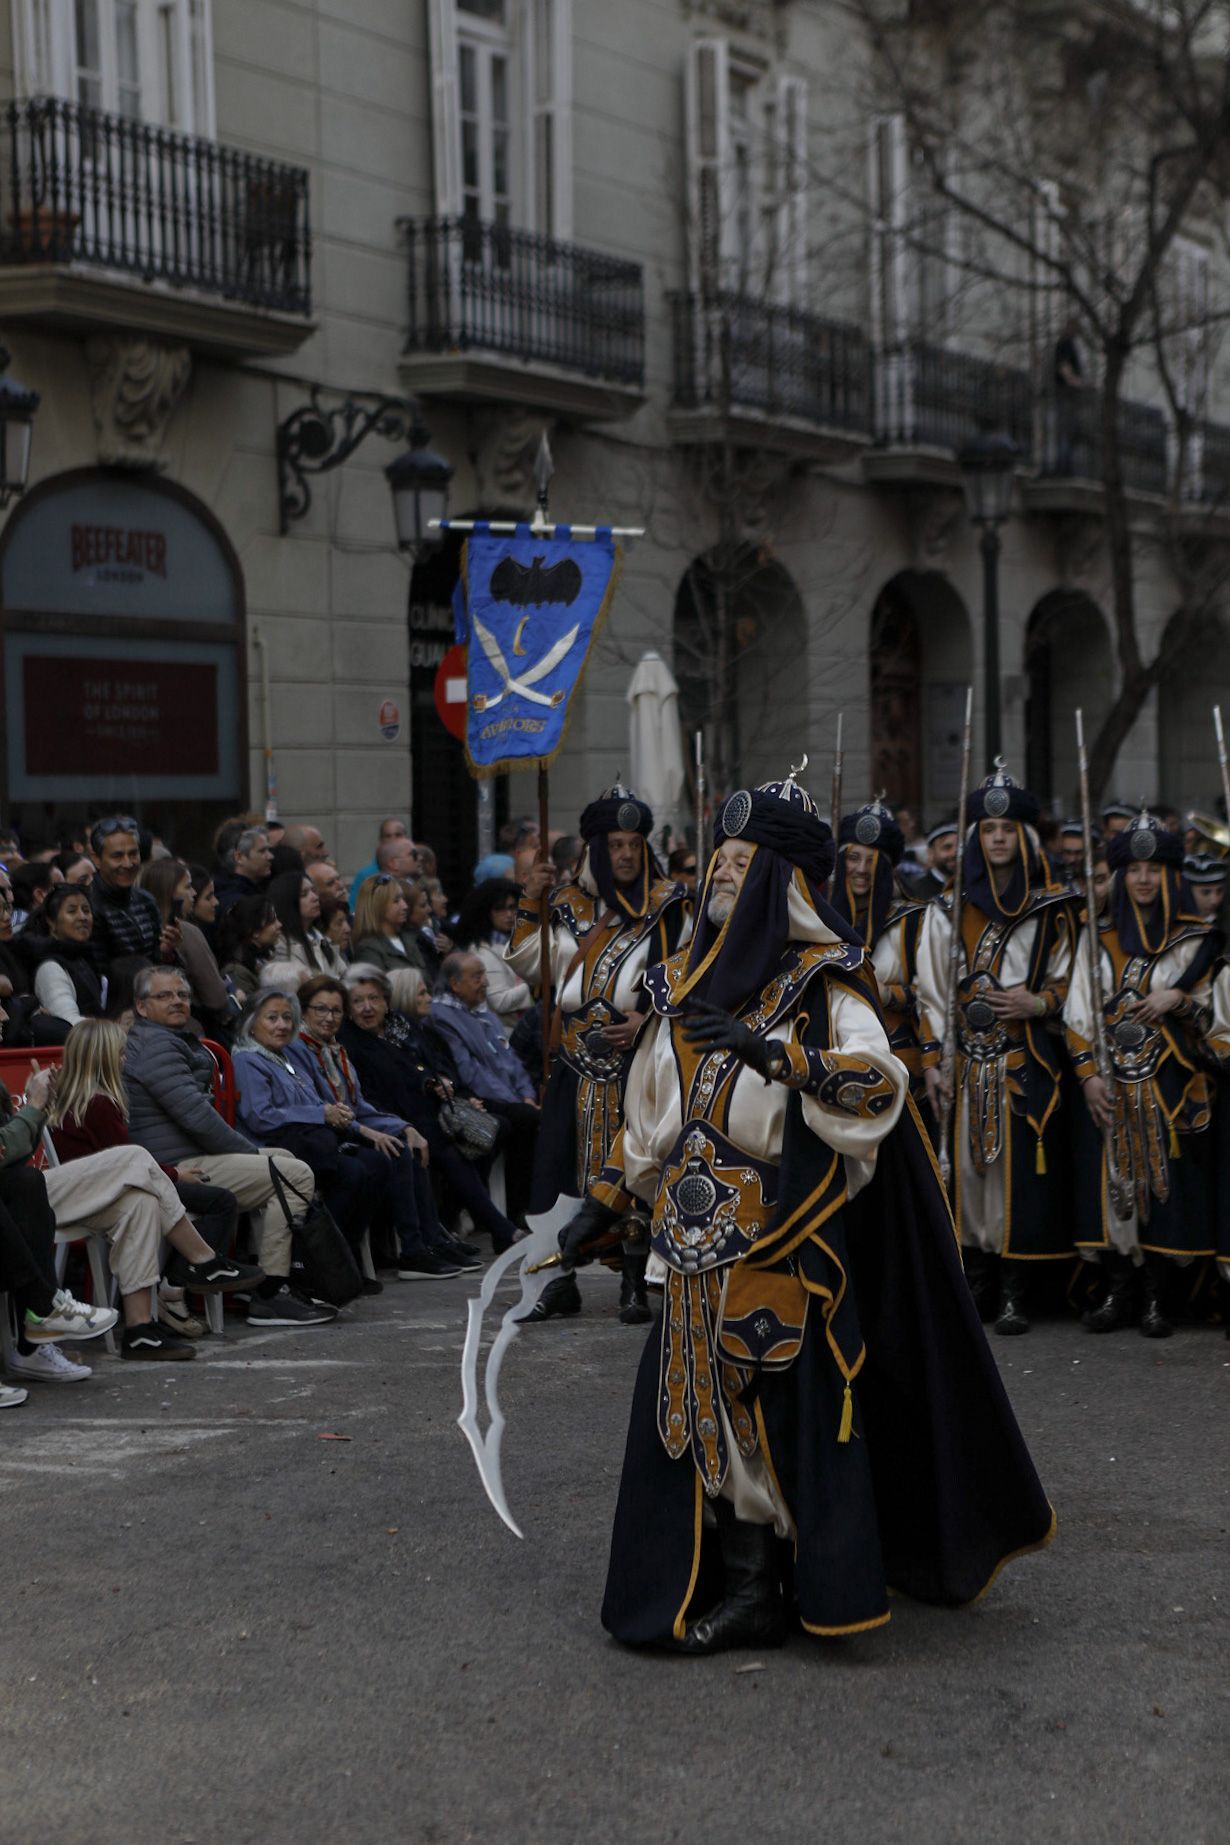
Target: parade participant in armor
[821,1388]
[868,895]
[1206,879]
[1156,962]
[618,916]
[1015,959]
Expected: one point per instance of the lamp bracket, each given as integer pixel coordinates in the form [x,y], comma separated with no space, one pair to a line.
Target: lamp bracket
[316,439]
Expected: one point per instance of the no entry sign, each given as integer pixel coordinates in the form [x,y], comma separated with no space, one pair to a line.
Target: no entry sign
[451,691]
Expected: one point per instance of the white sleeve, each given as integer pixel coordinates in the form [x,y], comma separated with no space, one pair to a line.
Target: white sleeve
[934,947]
[641,1170]
[857,1130]
[56,992]
[524,957]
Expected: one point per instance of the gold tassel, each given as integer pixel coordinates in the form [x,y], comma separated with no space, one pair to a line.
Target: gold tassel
[1174,1142]
[1040,1159]
[847,1417]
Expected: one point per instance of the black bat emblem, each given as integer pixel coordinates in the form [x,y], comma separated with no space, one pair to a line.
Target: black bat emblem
[524,588]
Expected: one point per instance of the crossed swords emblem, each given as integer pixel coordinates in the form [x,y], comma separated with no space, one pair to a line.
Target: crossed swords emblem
[522,684]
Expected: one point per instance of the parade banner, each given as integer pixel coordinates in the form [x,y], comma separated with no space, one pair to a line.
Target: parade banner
[527,607]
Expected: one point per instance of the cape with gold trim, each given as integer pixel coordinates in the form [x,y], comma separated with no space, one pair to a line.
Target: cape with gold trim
[936,1490]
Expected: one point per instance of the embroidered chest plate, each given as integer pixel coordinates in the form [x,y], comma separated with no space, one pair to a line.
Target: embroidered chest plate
[1135,1047]
[713,1202]
[981,1034]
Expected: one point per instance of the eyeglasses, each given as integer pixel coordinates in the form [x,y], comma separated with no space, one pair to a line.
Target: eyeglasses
[325,1012]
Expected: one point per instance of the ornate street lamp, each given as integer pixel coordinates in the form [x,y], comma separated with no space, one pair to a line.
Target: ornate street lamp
[315,439]
[419,482]
[987,467]
[17,407]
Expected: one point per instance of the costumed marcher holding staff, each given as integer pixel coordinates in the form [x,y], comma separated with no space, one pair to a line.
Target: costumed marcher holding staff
[1155,961]
[820,1383]
[868,895]
[615,919]
[1014,961]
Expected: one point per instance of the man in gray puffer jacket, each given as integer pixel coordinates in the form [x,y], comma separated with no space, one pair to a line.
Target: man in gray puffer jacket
[169,1079]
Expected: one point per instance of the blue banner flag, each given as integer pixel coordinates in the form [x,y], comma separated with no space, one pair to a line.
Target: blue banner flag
[528,608]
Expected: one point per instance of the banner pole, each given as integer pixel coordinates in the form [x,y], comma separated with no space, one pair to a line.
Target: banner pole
[544,921]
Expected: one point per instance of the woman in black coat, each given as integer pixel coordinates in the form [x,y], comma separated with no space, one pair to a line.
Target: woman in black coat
[390,1058]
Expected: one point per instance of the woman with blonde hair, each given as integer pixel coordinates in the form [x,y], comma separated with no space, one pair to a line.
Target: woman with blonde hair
[105,1183]
[387,917]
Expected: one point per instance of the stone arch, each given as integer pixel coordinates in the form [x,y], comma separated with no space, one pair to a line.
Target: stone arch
[740,659]
[920,661]
[1069,663]
[122,657]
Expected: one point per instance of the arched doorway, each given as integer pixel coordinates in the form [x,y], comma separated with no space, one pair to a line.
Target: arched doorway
[920,664]
[122,642]
[1068,666]
[740,659]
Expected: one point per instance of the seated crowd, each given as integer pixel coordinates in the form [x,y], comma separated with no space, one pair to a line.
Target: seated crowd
[369,1037]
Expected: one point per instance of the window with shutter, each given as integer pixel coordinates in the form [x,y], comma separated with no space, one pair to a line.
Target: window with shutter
[791,189]
[710,166]
[148,60]
[502,112]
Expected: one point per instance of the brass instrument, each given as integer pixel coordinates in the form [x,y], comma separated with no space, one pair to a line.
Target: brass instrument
[1213,832]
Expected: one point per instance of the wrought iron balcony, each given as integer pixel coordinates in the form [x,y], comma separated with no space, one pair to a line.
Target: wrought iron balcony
[496,314]
[930,397]
[773,375]
[115,221]
[1072,447]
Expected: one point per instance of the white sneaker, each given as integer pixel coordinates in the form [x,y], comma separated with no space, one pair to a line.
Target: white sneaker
[11,1396]
[49,1365]
[69,1319]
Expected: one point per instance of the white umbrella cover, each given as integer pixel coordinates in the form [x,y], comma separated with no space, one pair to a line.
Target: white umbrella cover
[657,773]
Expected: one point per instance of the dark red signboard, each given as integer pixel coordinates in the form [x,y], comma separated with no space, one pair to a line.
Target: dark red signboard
[118,717]
[451,691]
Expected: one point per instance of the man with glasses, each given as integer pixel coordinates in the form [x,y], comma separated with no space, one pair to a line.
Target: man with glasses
[127,920]
[169,1079]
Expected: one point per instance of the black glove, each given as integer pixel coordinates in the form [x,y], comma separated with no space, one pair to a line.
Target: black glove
[591,1221]
[710,1029]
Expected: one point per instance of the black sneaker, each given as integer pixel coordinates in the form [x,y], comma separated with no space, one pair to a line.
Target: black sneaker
[372,1286]
[465,1257]
[220,1275]
[426,1266]
[464,1249]
[285,1309]
[154,1341]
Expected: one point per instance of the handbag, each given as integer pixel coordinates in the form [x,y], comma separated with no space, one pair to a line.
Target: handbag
[472,1130]
[321,1260]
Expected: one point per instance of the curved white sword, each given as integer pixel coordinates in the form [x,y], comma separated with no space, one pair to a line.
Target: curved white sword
[543,1241]
[521,683]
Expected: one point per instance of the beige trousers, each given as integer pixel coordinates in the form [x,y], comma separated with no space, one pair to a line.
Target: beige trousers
[247,1176]
[124,1193]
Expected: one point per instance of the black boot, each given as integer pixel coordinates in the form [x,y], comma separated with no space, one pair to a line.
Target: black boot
[633,1297]
[1011,1318]
[982,1274]
[1153,1322]
[1116,1310]
[558,1299]
[751,1612]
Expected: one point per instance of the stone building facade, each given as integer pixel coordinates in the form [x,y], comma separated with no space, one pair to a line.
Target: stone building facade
[607,221]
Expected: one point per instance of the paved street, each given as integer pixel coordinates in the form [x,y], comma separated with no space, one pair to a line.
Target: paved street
[222,1628]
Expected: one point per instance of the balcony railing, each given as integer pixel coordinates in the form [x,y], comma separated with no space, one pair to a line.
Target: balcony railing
[1071,445]
[486,288]
[931,397]
[734,353]
[79,186]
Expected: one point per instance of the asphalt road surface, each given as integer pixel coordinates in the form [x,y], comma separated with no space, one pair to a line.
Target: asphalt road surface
[223,1628]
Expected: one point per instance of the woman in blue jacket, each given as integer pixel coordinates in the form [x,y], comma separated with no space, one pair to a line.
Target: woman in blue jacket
[360,1158]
